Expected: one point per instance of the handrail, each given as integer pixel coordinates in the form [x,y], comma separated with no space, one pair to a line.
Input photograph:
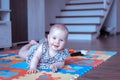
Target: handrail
[107,6]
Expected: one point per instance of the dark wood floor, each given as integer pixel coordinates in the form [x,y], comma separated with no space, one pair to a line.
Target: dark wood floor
[109,70]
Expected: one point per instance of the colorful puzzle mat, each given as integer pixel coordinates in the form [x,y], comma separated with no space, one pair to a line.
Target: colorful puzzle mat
[12,67]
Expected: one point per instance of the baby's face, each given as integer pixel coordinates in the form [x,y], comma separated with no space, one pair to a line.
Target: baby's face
[57,39]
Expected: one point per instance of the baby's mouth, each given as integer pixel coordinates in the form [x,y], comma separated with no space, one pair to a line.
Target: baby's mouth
[56,46]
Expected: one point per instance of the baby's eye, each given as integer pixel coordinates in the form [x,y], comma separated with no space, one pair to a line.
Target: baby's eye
[61,40]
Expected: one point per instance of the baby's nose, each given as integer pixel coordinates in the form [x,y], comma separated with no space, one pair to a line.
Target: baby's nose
[57,42]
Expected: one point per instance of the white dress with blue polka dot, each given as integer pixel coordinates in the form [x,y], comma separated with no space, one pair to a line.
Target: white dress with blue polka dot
[46,60]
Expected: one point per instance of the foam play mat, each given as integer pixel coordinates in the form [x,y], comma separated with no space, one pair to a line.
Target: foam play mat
[12,67]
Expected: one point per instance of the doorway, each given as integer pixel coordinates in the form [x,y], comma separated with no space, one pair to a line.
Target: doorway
[19,21]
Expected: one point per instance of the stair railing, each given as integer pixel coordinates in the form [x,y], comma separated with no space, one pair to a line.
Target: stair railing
[107,7]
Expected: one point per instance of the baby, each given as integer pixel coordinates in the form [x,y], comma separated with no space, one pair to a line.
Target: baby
[50,54]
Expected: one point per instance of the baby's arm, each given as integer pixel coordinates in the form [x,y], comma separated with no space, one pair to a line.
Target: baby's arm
[35,60]
[55,66]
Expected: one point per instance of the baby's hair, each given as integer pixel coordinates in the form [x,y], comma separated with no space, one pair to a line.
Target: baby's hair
[59,26]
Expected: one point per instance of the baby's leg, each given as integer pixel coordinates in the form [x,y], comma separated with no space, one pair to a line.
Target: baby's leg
[24,50]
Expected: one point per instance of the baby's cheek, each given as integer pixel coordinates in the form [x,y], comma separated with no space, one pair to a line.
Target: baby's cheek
[63,44]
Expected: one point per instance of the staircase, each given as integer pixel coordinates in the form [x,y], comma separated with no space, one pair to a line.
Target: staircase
[84,18]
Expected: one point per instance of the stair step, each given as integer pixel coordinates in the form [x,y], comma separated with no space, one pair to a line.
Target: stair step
[83,3]
[84,16]
[86,20]
[81,28]
[81,36]
[88,6]
[76,23]
[86,1]
[83,13]
[86,9]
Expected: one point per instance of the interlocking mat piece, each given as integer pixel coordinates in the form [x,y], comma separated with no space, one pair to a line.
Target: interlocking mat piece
[12,67]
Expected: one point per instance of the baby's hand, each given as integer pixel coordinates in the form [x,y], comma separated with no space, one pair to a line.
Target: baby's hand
[32,71]
[32,42]
[53,67]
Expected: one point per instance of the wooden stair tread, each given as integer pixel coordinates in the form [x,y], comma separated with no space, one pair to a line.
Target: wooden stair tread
[79,16]
[83,9]
[78,32]
[82,32]
[85,3]
[77,24]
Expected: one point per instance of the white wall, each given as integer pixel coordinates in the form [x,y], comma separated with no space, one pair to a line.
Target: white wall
[36,19]
[52,9]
